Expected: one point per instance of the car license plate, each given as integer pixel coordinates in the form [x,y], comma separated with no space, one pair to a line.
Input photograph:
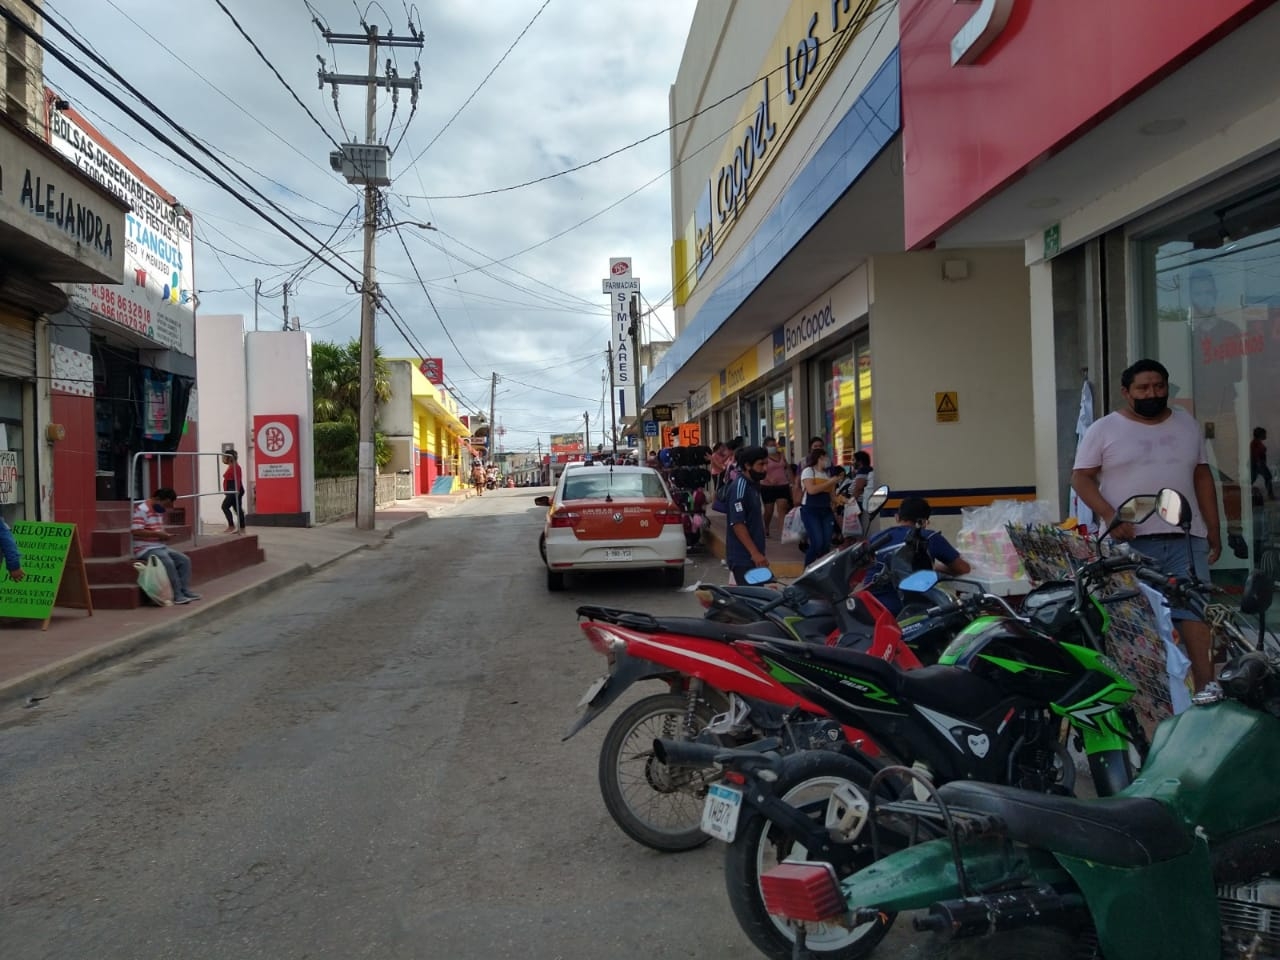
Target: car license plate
[720,812]
[618,554]
[592,690]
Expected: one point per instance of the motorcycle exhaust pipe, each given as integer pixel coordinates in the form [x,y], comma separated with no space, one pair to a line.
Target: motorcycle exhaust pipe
[980,916]
[684,753]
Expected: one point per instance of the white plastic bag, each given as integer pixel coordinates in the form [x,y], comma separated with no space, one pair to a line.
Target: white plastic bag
[792,526]
[153,578]
[851,522]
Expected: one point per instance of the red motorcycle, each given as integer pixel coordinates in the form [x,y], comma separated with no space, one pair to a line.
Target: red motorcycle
[717,689]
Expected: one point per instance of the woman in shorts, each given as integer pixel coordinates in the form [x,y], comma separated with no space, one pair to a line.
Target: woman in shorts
[775,490]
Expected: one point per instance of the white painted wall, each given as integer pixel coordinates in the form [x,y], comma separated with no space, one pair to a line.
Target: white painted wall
[972,336]
[279,381]
[223,405]
[395,419]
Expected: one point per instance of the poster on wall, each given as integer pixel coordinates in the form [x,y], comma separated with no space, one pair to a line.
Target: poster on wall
[155,296]
[157,406]
[8,476]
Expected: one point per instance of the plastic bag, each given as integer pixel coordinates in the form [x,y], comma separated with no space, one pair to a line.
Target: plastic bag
[984,541]
[851,521]
[153,578]
[792,526]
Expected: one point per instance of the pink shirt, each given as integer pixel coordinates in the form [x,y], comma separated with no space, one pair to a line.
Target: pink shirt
[1141,458]
[776,472]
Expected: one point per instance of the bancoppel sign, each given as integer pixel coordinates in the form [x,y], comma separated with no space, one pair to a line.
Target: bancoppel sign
[155,298]
[831,313]
[619,287]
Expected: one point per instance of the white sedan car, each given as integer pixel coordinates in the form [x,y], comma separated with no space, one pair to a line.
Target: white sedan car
[612,518]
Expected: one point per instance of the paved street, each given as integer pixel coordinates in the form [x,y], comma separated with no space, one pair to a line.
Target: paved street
[365,765]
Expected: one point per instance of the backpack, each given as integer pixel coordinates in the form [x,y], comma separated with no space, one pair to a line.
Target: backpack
[721,503]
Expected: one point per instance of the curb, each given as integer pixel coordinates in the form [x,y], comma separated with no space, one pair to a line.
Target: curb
[43,680]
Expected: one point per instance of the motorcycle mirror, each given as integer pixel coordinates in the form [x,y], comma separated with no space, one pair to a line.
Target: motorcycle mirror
[1173,508]
[1258,594]
[758,576]
[879,497]
[542,501]
[922,581]
[1134,510]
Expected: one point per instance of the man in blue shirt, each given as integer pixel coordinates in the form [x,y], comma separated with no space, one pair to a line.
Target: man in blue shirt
[744,545]
[935,552]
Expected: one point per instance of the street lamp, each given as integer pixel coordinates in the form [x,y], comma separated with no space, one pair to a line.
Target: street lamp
[409,223]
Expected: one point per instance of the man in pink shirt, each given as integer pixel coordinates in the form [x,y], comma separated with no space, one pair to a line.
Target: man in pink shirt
[1137,450]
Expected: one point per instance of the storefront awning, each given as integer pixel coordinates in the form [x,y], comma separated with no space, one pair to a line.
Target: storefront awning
[842,205]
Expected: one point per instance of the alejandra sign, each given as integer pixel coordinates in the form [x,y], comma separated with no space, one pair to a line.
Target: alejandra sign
[813,35]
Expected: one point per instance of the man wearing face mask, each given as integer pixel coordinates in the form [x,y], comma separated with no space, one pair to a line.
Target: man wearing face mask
[1137,450]
[744,546]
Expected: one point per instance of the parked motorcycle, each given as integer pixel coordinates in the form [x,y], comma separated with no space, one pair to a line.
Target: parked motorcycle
[1184,864]
[990,711]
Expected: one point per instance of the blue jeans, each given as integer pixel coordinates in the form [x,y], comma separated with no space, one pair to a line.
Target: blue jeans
[819,525]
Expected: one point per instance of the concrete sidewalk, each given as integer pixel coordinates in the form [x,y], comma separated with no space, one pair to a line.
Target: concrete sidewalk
[34,661]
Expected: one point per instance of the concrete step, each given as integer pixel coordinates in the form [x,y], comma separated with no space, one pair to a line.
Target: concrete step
[785,559]
[116,596]
[213,558]
[118,541]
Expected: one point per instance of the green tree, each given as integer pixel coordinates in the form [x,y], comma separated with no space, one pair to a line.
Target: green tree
[335,387]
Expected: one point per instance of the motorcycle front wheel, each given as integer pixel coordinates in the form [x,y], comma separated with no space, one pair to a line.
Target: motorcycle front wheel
[809,783]
[656,805]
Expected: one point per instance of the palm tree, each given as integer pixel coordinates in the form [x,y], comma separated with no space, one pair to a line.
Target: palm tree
[335,381]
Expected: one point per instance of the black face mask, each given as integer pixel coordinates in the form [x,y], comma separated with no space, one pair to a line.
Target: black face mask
[756,475]
[1150,407]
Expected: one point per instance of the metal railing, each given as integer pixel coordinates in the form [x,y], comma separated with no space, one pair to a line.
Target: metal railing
[134,500]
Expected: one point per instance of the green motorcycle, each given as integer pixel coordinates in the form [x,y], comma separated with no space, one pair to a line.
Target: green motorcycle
[1183,864]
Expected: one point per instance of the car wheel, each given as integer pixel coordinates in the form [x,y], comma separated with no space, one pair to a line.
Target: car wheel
[673,576]
[555,580]
[542,546]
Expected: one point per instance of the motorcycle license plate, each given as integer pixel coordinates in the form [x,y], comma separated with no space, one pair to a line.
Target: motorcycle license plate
[720,812]
[618,554]
[592,690]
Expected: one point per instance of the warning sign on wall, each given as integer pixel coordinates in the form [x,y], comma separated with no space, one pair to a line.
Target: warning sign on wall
[947,406]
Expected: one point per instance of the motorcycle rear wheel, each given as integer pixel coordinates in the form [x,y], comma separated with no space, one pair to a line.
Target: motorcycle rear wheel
[808,782]
[637,789]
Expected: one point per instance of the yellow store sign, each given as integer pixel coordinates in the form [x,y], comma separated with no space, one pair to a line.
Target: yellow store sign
[813,36]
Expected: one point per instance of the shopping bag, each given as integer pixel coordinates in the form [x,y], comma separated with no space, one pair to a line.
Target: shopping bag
[153,578]
[792,526]
[851,521]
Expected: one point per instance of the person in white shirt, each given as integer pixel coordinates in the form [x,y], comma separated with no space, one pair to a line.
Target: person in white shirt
[149,539]
[1139,449]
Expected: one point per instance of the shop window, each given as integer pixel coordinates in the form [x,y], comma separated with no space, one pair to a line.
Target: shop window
[1211,314]
[844,383]
[13,488]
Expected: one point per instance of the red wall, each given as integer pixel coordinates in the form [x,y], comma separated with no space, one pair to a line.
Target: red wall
[428,470]
[1056,70]
[75,462]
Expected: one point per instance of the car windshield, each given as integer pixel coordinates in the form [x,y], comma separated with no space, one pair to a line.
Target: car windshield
[597,486]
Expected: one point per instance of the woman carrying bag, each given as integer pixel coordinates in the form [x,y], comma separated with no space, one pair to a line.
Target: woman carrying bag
[816,507]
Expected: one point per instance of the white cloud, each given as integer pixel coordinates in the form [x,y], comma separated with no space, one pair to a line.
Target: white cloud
[586,79]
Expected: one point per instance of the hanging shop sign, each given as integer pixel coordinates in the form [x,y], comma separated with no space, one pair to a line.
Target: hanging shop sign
[829,314]
[48,202]
[620,286]
[433,369]
[813,36]
[152,293]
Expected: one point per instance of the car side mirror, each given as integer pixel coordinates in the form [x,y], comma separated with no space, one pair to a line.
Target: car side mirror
[1258,593]
[542,501]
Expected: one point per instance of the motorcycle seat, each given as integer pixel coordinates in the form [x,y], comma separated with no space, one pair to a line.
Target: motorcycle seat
[1113,831]
[949,690]
[705,629]
[809,608]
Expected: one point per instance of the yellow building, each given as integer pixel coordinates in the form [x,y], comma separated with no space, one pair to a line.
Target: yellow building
[422,425]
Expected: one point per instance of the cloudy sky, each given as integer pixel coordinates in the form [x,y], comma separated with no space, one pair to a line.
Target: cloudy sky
[585,79]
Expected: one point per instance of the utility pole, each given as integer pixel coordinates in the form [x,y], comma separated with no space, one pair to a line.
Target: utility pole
[367,164]
[586,434]
[286,305]
[257,289]
[493,424]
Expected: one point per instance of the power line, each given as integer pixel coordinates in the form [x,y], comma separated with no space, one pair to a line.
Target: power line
[272,67]
[75,68]
[479,87]
[856,22]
